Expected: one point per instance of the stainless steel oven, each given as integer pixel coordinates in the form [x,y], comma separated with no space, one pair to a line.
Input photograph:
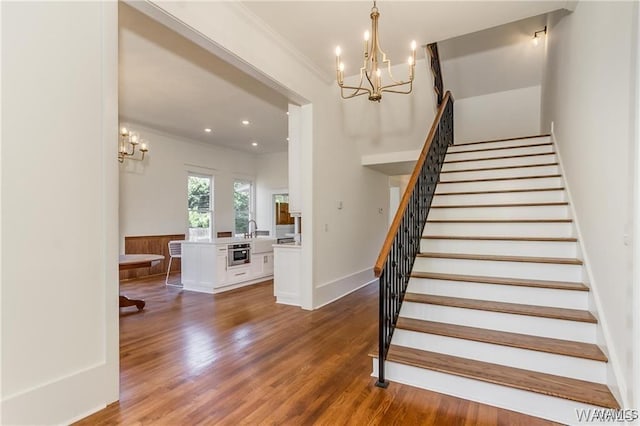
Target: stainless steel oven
[239,254]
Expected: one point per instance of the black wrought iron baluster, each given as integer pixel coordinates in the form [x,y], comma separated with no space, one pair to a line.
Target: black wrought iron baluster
[394,274]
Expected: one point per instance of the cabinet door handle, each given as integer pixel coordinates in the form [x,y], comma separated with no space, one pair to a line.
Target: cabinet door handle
[226,263]
[240,273]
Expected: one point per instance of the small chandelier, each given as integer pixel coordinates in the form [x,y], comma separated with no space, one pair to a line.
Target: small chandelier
[127,145]
[370,73]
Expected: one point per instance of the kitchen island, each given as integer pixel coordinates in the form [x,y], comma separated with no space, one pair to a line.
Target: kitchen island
[222,264]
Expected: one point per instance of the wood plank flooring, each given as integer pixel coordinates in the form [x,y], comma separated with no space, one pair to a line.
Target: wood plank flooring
[239,358]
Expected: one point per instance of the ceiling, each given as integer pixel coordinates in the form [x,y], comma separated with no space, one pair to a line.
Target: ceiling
[317,27]
[168,83]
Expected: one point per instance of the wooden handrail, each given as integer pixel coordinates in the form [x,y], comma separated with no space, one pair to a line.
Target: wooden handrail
[393,229]
[438,85]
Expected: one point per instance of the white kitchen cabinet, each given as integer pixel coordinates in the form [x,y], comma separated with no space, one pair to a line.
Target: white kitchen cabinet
[205,264]
[287,274]
[268,264]
[198,267]
[262,264]
[221,267]
[238,274]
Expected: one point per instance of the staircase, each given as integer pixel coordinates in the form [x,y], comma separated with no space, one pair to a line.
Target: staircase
[496,310]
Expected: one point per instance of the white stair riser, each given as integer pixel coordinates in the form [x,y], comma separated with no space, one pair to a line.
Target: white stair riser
[531,403]
[507,248]
[544,149]
[543,362]
[535,271]
[500,162]
[512,212]
[500,144]
[523,324]
[512,229]
[449,184]
[501,198]
[500,173]
[571,299]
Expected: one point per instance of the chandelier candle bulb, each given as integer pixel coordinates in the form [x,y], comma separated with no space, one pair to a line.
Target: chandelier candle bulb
[370,73]
[127,143]
[366,43]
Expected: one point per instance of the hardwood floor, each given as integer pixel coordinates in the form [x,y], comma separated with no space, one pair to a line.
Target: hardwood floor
[239,358]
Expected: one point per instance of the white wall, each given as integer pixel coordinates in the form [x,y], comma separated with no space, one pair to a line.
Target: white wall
[271,177]
[330,160]
[498,115]
[59,211]
[588,93]
[397,123]
[153,193]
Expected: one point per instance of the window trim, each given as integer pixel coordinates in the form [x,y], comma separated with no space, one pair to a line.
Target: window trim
[252,198]
[211,177]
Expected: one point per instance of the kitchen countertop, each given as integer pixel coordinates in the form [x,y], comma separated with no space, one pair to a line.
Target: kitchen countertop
[288,245]
[227,240]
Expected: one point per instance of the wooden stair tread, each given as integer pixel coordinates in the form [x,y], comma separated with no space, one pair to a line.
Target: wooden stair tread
[502,147]
[504,307]
[543,383]
[500,191]
[490,238]
[499,220]
[559,285]
[462,206]
[515,340]
[504,157]
[499,168]
[501,258]
[501,140]
[501,178]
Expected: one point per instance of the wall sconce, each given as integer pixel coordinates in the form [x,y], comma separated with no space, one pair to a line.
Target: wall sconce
[537,36]
[127,145]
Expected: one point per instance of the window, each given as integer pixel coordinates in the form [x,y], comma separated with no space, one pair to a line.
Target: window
[200,207]
[242,203]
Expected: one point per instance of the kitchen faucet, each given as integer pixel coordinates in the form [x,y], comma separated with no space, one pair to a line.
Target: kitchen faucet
[255,229]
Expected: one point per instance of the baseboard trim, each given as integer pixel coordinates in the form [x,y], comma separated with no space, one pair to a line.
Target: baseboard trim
[331,291]
[62,401]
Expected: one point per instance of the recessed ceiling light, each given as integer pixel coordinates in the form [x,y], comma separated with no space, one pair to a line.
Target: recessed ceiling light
[245,122]
[208,130]
[254,143]
[287,139]
[287,112]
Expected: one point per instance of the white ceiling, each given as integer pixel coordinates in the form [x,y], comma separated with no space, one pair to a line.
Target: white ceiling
[168,83]
[315,28]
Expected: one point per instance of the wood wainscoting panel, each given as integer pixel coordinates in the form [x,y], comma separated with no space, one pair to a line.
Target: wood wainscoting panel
[150,244]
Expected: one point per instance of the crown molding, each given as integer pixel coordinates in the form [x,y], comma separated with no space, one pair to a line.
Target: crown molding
[276,37]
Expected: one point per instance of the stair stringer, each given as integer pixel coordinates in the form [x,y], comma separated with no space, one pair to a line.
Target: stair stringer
[603,336]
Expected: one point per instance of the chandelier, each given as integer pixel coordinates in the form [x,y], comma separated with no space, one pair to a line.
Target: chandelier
[371,82]
[127,145]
